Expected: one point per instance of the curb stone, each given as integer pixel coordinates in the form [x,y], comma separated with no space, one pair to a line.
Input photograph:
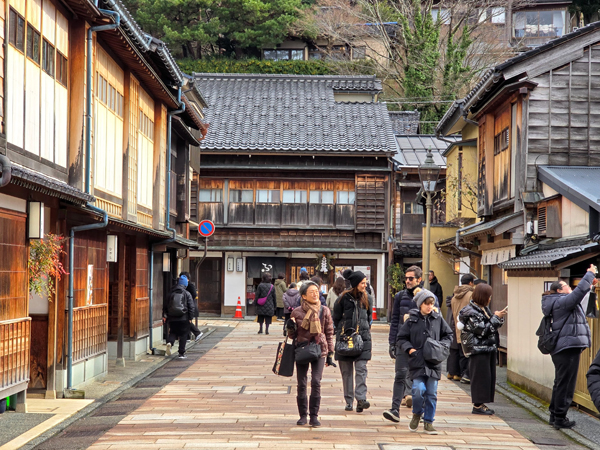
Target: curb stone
[103,400]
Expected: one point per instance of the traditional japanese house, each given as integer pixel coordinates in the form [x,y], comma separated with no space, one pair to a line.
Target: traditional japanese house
[92,166]
[537,147]
[295,173]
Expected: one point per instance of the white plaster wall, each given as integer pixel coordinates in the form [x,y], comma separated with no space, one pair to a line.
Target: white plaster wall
[235,282]
[575,221]
[525,311]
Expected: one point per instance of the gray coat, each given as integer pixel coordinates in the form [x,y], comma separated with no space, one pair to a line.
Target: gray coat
[568,316]
[268,309]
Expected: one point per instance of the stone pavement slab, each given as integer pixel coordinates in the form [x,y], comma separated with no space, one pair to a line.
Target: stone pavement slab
[229,399]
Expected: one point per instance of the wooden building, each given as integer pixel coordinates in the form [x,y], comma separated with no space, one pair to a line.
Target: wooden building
[107,168]
[536,118]
[294,169]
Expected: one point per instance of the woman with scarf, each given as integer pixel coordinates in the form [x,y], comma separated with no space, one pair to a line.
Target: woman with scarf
[352,311]
[311,322]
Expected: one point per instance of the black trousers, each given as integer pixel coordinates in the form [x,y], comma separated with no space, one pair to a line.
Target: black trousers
[482,368]
[402,383]
[179,330]
[279,313]
[194,329]
[315,378]
[566,365]
[264,319]
[458,363]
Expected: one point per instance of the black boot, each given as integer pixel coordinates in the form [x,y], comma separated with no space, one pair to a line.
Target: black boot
[302,410]
[315,403]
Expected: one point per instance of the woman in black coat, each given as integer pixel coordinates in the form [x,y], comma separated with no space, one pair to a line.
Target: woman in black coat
[266,311]
[478,339]
[351,311]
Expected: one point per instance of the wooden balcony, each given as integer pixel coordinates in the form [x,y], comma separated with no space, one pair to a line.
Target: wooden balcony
[90,328]
[15,342]
[142,312]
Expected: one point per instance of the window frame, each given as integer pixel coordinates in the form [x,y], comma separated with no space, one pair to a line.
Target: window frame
[14,21]
[270,193]
[278,50]
[297,192]
[213,197]
[46,45]
[241,191]
[320,200]
[32,31]
[62,69]
[350,194]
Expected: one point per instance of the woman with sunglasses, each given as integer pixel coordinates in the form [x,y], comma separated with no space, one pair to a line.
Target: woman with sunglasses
[311,322]
[351,311]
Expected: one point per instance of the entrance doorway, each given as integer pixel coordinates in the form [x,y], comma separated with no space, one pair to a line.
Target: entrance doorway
[209,286]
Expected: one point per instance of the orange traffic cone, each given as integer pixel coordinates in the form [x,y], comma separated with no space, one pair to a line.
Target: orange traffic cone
[375,313]
[238,310]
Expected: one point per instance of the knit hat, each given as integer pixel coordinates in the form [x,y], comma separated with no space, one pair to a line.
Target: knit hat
[183,280]
[355,278]
[423,295]
[346,273]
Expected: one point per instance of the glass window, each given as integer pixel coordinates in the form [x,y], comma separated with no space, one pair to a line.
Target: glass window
[498,15]
[322,197]
[210,195]
[267,196]
[48,58]
[294,196]
[297,54]
[33,44]
[241,196]
[345,197]
[16,32]
[413,208]
[61,69]
[270,54]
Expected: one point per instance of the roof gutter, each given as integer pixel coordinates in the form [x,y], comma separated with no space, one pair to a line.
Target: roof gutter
[457,241]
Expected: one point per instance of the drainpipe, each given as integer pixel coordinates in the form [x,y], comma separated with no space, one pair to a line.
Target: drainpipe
[6,170]
[168,214]
[88,162]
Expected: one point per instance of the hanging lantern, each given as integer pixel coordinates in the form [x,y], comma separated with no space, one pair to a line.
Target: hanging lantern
[324,264]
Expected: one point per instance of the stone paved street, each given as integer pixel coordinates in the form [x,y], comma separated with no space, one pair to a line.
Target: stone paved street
[230,399]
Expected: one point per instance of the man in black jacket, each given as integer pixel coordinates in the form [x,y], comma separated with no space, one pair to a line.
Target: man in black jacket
[593,379]
[191,288]
[403,302]
[178,312]
[435,286]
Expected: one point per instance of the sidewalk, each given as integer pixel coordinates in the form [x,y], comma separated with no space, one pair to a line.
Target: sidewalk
[230,399]
[48,415]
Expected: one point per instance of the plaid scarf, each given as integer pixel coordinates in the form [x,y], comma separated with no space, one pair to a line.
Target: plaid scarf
[311,320]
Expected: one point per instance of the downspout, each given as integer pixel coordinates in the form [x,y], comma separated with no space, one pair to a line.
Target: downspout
[88,162]
[167,218]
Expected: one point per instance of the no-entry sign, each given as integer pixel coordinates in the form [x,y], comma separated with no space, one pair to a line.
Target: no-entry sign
[206,228]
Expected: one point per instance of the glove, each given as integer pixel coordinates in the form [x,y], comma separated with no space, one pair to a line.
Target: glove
[291,326]
[392,351]
[329,360]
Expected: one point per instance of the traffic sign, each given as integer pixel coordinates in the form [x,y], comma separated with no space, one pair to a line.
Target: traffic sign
[206,228]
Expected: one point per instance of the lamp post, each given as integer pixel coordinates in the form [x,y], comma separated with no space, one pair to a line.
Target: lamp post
[429,172]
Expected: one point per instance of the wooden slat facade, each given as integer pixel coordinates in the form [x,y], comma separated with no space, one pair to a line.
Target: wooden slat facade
[14,352]
[89,331]
[371,194]
[142,309]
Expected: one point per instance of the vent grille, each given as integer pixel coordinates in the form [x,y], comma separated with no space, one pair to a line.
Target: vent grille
[542,223]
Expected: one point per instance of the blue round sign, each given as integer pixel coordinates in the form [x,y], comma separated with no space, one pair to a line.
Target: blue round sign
[206,228]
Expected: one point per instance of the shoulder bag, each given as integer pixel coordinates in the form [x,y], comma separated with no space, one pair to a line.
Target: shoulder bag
[261,301]
[284,361]
[310,351]
[350,342]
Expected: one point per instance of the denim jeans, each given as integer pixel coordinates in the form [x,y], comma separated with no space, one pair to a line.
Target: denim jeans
[424,394]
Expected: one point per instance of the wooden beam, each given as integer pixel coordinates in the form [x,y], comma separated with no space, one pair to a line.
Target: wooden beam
[122,266]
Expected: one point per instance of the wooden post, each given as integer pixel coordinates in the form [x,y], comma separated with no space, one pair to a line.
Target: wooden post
[122,267]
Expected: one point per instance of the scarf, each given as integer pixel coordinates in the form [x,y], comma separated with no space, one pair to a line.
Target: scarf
[311,320]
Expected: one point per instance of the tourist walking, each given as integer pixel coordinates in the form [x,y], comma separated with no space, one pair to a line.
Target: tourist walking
[568,319]
[478,327]
[265,312]
[291,300]
[311,322]
[280,288]
[403,303]
[424,325]
[461,298]
[303,277]
[351,313]
[178,312]
[335,291]
[191,288]
[435,287]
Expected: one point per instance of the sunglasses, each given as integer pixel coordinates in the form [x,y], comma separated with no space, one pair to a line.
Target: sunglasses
[409,278]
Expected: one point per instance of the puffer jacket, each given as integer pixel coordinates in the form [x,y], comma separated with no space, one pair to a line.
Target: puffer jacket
[593,381]
[324,339]
[291,300]
[414,333]
[451,322]
[344,317]
[568,316]
[268,309]
[479,332]
[403,302]
[280,289]
[462,297]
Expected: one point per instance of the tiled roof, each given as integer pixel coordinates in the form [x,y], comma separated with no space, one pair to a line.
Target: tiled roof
[484,227]
[544,259]
[412,150]
[405,122]
[291,113]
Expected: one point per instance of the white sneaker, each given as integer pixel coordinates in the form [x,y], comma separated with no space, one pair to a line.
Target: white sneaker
[182,357]
[199,336]
[168,351]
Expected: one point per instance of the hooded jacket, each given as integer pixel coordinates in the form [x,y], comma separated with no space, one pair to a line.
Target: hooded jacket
[462,297]
[280,289]
[344,317]
[291,300]
[568,316]
[414,333]
[189,304]
[593,381]
[324,339]
[436,288]
[479,332]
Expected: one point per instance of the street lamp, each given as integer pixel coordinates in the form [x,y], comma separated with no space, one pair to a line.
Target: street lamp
[428,173]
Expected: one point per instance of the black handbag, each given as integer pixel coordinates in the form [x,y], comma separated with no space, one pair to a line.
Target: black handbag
[284,361]
[592,307]
[434,352]
[350,342]
[307,352]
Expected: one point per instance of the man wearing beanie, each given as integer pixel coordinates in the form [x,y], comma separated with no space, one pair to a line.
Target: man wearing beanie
[178,312]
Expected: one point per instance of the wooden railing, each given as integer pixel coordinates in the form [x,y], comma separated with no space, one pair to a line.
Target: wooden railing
[89,331]
[14,351]
[142,311]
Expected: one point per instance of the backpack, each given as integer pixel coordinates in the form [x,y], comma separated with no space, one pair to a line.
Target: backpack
[177,304]
[547,336]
